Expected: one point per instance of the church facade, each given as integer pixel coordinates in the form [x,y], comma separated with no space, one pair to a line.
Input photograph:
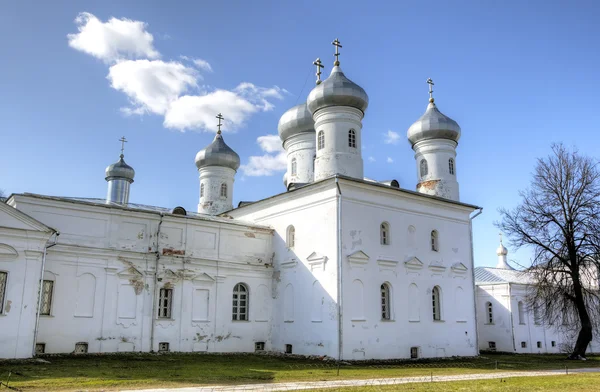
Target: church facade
[337,265]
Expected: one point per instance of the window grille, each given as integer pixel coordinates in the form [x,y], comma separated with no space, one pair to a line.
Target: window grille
[291,237]
[259,346]
[240,302]
[435,302]
[165,300]
[434,241]
[352,138]
[539,344]
[424,169]
[163,347]
[202,190]
[40,348]
[288,348]
[492,346]
[490,313]
[3,280]
[451,166]
[47,291]
[523,344]
[414,352]
[553,343]
[385,234]
[294,166]
[223,190]
[385,302]
[321,140]
[81,348]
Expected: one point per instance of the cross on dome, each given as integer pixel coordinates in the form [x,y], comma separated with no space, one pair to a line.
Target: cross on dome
[220,117]
[319,65]
[123,141]
[430,83]
[337,45]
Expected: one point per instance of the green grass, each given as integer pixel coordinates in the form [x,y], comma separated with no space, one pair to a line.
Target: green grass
[109,372]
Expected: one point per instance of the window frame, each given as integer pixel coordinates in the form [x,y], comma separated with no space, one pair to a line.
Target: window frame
[435,241]
[290,237]
[201,189]
[165,303]
[294,165]
[423,168]
[3,289]
[386,302]
[521,311]
[238,293]
[384,233]
[451,166]
[352,138]
[320,140]
[224,190]
[46,302]
[436,303]
[489,312]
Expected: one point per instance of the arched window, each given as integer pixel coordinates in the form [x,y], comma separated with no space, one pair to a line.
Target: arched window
[434,241]
[436,303]
[352,138]
[490,313]
[451,166]
[321,140]
[223,190]
[290,237]
[202,190]
[423,168]
[240,302]
[537,319]
[294,166]
[521,309]
[385,233]
[385,302]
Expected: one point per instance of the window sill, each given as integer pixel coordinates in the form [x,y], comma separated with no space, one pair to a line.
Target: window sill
[47,315]
[165,319]
[388,321]
[439,321]
[316,321]
[288,321]
[240,321]
[414,321]
[461,321]
[200,321]
[358,320]
[489,324]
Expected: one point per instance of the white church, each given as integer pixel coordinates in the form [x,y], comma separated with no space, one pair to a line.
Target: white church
[337,265]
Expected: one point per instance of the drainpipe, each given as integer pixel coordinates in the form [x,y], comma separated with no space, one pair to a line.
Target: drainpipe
[41,287]
[339,262]
[154,291]
[473,276]
[512,319]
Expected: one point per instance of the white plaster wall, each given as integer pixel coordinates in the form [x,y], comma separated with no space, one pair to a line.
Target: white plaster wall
[501,329]
[113,252]
[212,177]
[337,157]
[305,277]
[438,181]
[301,147]
[363,210]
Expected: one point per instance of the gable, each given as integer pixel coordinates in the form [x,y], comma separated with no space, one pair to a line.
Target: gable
[14,219]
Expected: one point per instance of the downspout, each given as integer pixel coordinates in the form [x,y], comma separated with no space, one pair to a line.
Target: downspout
[339,265]
[154,291]
[473,277]
[217,293]
[512,319]
[40,288]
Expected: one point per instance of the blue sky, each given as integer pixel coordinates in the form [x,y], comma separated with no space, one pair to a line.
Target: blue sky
[517,76]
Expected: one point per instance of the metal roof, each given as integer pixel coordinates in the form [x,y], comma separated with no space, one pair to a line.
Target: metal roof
[500,275]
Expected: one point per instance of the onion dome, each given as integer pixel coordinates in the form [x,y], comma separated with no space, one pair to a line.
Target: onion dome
[120,170]
[296,120]
[501,251]
[433,125]
[218,154]
[337,90]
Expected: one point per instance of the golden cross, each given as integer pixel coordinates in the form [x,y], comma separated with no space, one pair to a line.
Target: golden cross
[500,237]
[430,83]
[337,45]
[123,141]
[220,117]
[317,62]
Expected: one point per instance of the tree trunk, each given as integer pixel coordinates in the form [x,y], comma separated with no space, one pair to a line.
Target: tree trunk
[585,334]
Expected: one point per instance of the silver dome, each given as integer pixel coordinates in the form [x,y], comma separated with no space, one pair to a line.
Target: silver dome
[120,170]
[337,90]
[433,125]
[296,120]
[218,154]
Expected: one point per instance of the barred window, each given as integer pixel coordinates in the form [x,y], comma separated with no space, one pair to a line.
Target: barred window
[434,241]
[451,166]
[321,140]
[240,302]
[385,233]
[294,166]
[490,314]
[223,190]
[3,280]
[352,138]
[424,169]
[436,303]
[202,190]
[165,300]
[385,302]
[47,291]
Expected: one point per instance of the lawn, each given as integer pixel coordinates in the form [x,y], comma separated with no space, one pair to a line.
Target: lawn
[131,371]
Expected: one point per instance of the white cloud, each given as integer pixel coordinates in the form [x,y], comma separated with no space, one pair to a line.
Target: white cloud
[371,159]
[259,95]
[391,137]
[389,160]
[113,40]
[151,85]
[275,159]
[201,64]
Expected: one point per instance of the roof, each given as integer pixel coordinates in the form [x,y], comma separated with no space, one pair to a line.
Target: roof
[141,208]
[357,180]
[501,275]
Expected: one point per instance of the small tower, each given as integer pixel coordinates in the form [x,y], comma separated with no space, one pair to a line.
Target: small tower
[297,132]
[434,138]
[337,106]
[217,165]
[502,252]
[119,176]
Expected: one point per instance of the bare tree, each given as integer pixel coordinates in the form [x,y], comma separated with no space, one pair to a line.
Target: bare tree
[559,217]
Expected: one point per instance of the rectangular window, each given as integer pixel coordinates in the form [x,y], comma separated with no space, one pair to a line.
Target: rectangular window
[165,299]
[539,344]
[40,348]
[492,346]
[523,344]
[81,348]
[259,346]
[288,348]
[553,343]
[163,347]
[47,291]
[414,352]
[3,280]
